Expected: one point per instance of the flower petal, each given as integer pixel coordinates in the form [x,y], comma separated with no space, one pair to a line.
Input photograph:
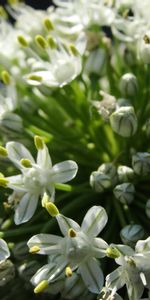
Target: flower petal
[92,275]
[43,158]
[116,279]
[66,223]
[43,273]
[94,221]
[48,243]
[4,251]
[25,208]
[16,183]
[16,151]
[99,248]
[64,171]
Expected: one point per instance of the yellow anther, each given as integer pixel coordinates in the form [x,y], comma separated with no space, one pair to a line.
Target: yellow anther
[51,42]
[4,182]
[6,77]
[72,233]
[34,249]
[26,163]
[41,42]
[35,77]
[12,2]
[48,24]
[3,12]
[74,50]
[39,143]
[22,41]
[112,252]
[52,209]
[68,272]
[146,39]
[41,286]
[45,200]
[3,151]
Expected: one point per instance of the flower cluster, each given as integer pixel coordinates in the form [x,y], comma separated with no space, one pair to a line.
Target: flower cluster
[75,78]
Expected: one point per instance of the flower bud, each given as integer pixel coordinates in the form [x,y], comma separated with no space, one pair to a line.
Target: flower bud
[141,163]
[11,123]
[110,170]
[124,192]
[147,208]
[99,181]
[96,61]
[123,121]
[144,48]
[7,272]
[125,174]
[130,234]
[128,85]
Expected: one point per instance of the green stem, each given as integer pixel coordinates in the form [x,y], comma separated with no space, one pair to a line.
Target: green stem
[119,213]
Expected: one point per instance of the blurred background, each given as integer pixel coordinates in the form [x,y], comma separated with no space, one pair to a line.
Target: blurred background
[35,3]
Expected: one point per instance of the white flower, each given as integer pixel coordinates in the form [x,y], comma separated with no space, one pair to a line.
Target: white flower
[4,251]
[78,249]
[36,178]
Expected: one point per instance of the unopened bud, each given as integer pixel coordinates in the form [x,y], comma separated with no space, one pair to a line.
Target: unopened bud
[130,234]
[99,181]
[123,121]
[128,85]
[125,174]
[124,193]
[141,163]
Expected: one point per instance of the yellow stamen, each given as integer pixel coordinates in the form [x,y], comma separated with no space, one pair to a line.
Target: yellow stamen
[38,141]
[26,163]
[22,41]
[72,233]
[48,24]
[52,209]
[51,42]
[68,272]
[35,77]
[6,77]
[41,42]
[41,286]
[34,249]
[74,50]
[3,151]
[4,182]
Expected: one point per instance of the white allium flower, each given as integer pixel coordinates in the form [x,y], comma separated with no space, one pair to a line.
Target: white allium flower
[127,274]
[4,251]
[78,249]
[36,178]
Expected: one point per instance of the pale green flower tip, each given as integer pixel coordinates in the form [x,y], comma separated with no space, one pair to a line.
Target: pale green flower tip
[73,50]
[72,233]
[6,224]
[6,78]
[26,163]
[125,174]
[130,234]
[68,272]
[51,42]
[48,24]
[35,77]
[3,151]
[39,143]
[41,41]
[4,182]
[128,85]
[52,209]
[34,249]
[41,286]
[112,252]
[123,121]
[99,181]
[22,41]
